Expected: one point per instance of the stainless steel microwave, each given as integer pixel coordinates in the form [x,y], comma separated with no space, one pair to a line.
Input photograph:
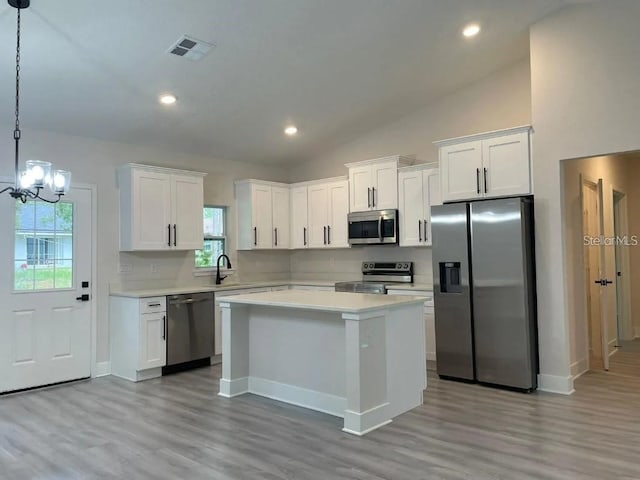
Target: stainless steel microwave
[373,227]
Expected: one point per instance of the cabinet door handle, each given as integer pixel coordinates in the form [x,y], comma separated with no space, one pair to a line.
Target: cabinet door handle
[369,197]
[175,235]
[373,196]
[425,229]
[329,234]
[275,230]
[169,232]
[478,180]
[419,230]
[324,234]
[486,190]
[255,235]
[164,327]
[304,236]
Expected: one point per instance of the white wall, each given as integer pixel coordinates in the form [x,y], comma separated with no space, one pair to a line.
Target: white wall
[585,66]
[499,101]
[94,162]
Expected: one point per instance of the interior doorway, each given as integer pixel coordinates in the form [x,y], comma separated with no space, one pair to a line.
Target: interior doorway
[602,239]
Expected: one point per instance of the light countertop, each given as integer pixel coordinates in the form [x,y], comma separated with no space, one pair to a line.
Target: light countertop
[177,290]
[343,302]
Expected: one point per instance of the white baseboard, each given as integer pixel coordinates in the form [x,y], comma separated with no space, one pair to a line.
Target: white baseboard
[101,369]
[555,384]
[636,332]
[579,368]
[431,356]
[612,346]
[360,423]
[302,397]
[233,388]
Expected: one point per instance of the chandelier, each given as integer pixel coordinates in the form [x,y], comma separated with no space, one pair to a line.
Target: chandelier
[37,174]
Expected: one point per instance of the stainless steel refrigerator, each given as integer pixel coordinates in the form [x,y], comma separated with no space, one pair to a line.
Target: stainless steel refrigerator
[484,292]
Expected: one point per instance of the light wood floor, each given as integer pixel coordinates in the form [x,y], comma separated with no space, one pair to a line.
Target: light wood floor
[626,361]
[177,428]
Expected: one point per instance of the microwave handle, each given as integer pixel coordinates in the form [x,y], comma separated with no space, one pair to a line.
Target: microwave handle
[380,229]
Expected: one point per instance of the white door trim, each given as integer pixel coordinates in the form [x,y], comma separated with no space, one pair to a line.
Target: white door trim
[622,228]
[96,368]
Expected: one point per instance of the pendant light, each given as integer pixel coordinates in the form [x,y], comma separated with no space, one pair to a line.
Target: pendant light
[37,174]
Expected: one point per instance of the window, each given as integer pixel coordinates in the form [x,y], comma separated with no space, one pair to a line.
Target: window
[43,249]
[215,240]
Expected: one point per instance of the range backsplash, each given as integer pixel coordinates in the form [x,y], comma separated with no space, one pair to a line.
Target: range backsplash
[345,264]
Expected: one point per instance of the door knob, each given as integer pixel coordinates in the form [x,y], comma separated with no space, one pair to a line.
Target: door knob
[83,298]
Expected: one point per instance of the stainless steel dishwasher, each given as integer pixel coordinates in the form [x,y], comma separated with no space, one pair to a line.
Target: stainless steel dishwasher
[190,328]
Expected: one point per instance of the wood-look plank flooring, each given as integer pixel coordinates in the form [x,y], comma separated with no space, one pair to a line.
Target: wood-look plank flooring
[626,361]
[177,427]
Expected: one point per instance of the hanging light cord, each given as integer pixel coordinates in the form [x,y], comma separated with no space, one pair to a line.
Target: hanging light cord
[16,191]
[16,132]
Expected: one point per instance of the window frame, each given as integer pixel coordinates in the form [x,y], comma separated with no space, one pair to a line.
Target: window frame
[224,237]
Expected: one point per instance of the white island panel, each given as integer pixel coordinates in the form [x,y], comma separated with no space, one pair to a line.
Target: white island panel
[356,356]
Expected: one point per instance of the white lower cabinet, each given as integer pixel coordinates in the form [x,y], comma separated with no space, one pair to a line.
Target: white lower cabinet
[138,337]
[429,319]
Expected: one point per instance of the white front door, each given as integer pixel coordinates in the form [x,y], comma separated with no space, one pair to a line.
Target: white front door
[46,256]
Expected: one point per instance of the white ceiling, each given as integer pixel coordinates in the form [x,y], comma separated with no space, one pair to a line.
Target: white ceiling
[335,68]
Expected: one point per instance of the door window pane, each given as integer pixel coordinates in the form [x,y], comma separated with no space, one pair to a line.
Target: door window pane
[43,246]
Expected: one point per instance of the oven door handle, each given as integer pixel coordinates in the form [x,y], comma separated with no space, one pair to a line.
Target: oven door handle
[380,229]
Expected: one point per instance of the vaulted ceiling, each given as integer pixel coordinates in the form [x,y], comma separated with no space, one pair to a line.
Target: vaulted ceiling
[334,68]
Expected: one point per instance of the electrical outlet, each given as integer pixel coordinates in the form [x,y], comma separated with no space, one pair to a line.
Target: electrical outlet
[154,268]
[125,268]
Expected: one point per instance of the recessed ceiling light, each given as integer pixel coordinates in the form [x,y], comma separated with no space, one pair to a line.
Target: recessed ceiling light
[291,130]
[471,30]
[168,99]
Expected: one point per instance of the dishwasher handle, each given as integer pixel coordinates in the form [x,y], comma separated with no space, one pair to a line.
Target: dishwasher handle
[189,301]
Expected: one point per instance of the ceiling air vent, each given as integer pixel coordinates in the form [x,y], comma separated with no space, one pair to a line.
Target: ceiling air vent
[191,48]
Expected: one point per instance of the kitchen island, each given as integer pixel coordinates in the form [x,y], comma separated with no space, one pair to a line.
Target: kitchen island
[360,357]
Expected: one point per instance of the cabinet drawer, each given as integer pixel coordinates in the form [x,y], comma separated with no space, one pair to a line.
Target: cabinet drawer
[153,305]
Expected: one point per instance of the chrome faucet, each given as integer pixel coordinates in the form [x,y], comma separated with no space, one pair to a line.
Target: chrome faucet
[218,277]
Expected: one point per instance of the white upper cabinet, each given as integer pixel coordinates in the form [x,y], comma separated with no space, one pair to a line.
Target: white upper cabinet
[262,215]
[418,190]
[188,203]
[160,208]
[327,206]
[506,165]
[460,167]
[373,184]
[494,164]
[299,217]
[338,209]
[280,201]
